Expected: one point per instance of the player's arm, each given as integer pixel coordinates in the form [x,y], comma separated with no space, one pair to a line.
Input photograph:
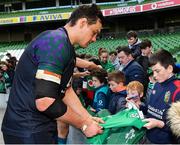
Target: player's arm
[49,102]
[86,64]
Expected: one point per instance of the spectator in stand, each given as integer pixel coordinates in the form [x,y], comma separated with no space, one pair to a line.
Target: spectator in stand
[116,81]
[114,60]
[165,92]
[2,82]
[88,84]
[104,60]
[133,71]
[177,68]
[143,59]
[134,43]
[146,48]
[11,63]
[5,82]
[101,98]
[135,91]
[150,86]
[12,60]
[4,68]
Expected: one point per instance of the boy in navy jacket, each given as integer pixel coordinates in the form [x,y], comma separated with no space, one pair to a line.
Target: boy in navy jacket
[163,94]
[116,82]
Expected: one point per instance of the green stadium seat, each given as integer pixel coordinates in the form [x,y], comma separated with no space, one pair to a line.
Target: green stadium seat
[169,42]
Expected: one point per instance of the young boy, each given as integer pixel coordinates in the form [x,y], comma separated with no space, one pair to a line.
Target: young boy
[151,84]
[100,101]
[116,82]
[135,91]
[134,43]
[165,92]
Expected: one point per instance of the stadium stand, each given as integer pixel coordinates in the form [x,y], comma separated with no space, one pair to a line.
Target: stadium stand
[63,9]
[169,41]
[15,48]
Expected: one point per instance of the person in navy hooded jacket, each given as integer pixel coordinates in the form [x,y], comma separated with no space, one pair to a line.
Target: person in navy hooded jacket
[165,92]
[116,82]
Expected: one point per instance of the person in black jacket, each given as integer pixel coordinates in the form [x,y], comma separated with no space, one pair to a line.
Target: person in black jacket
[134,43]
[143,59]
